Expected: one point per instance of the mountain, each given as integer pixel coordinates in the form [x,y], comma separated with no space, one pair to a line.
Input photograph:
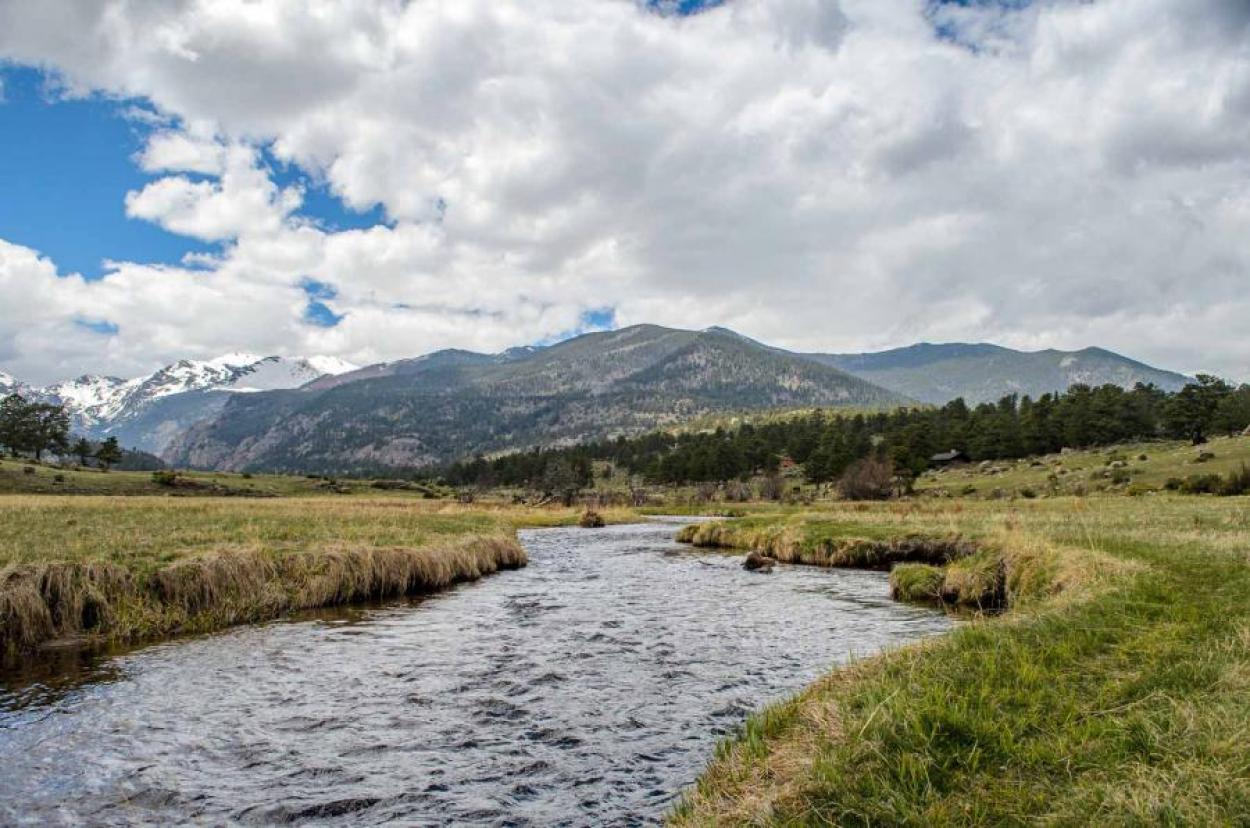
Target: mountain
[148,412]
[10,385]
[986,373]
[450,404]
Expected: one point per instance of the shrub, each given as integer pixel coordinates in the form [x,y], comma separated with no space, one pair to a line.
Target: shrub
[867,479]
[1174,484]
[1138,489]
[1238,482]
[165,477]
[591,519]
[771,488]
[968,489]
[1120,476]
[1202,484]
[1027,493]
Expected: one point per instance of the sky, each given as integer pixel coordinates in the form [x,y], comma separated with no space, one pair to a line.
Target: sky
[376,179]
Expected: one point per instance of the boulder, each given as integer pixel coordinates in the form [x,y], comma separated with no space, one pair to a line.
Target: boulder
[759,562]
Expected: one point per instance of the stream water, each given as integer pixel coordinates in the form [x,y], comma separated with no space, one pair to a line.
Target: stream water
[586,689]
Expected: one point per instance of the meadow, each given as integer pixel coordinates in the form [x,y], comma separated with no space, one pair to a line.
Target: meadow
[1131,468]
[1102,675]
[125,568]
[1113,689]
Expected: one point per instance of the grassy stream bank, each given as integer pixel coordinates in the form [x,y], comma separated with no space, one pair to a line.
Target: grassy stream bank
[1116,688]
[133,568]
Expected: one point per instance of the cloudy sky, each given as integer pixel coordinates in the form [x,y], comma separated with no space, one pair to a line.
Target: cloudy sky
[376,178]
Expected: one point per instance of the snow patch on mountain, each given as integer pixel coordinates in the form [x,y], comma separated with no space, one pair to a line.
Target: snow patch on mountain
[97,403]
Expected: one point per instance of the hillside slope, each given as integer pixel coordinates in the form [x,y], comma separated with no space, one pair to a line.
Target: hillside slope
[986,373]
[452,403]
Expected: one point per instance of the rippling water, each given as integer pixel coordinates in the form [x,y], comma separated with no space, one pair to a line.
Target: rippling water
[588,688]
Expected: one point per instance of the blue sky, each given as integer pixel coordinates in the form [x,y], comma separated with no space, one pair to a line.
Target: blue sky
[65,169]
[66,165]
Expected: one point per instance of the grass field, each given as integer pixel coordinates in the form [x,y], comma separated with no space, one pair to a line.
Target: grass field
[25,477]
[1115,690]
[124,568]
[1148,465]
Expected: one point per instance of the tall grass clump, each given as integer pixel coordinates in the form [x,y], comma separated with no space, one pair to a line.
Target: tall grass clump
[125,569]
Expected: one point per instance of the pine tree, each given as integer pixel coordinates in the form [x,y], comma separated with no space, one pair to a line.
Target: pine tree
[82,450]
[108,453]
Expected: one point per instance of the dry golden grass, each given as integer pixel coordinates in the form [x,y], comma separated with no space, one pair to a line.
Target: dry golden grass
[135,567]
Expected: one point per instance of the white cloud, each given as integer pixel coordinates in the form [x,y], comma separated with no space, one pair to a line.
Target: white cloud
[824,175]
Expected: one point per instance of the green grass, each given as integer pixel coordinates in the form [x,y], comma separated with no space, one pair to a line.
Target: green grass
[67,480]
[1091,472]
[1116,691]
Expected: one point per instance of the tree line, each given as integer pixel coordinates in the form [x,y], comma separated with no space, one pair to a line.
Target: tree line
[826,444]
[35,428]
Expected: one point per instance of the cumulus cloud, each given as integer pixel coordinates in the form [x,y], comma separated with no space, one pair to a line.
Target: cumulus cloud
[819,174]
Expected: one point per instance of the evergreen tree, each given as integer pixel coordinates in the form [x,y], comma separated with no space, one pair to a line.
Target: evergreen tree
[108,453]
[15,434]
[82,450]
[48,428]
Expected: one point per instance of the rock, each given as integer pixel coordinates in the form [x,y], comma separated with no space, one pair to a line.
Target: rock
[759,562]
[591,520]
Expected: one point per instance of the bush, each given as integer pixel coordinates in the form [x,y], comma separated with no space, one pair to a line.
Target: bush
[771,488]
[1027,493]
[165,477]
[1174,484]
[1238,482]
[867,479]
[1202,484]
[1120,476]
[1138,489]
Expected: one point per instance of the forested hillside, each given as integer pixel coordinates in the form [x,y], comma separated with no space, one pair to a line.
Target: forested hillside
[826,443]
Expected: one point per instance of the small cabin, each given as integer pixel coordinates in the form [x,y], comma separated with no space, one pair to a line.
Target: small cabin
[946,458]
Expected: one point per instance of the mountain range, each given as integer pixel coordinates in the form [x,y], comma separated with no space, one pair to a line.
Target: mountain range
[244,411]
[986,373]
[148,412]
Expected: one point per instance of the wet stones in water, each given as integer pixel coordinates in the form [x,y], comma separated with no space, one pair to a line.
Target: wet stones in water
[591,520]
[759,562]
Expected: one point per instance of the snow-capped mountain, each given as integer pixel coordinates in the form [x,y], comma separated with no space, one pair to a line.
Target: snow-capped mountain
[148,411]
[10,385]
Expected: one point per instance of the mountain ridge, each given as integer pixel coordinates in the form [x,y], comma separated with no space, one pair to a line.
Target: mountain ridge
[148,411]
[935,373]
[589,386]
[446,405]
